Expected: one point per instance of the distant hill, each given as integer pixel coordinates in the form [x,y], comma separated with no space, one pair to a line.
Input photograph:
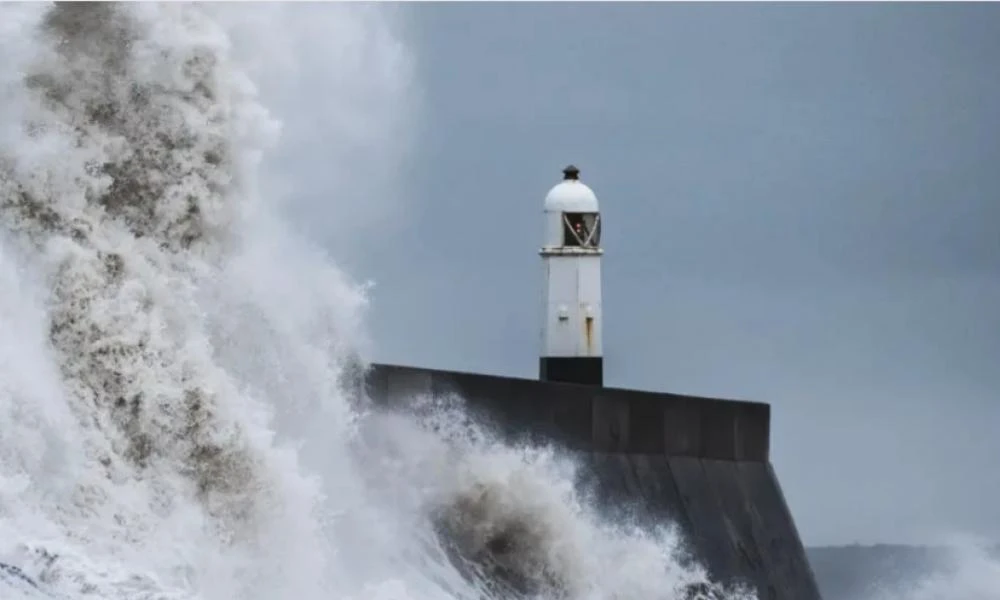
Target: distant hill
[858,572]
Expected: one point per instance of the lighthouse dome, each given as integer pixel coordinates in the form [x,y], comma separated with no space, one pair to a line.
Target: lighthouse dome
[571,195]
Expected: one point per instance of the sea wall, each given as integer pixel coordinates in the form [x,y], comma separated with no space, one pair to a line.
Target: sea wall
[701,463]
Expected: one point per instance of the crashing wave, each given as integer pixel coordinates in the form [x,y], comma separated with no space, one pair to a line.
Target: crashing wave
[175,358]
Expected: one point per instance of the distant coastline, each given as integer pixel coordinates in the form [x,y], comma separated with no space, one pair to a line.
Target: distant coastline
[855,571]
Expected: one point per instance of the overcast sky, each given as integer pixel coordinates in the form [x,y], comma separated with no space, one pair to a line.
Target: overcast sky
[801,206]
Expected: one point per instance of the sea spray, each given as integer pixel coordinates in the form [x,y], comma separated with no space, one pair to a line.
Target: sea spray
[125,188]
[964,567]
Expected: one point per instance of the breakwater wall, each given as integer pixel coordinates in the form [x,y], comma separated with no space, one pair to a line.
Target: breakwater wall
[702,463]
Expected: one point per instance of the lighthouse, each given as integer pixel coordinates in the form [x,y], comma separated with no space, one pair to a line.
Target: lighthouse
[571,255]
[642,443]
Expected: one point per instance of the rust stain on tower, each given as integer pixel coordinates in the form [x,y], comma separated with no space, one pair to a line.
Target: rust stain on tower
[588,332]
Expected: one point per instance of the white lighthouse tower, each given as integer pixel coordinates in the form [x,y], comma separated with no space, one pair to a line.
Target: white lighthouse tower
[571,336]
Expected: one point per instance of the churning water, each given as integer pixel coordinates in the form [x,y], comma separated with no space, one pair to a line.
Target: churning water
[176,414]
[175,364]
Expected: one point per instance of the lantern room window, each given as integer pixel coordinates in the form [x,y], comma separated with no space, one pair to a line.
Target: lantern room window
[581,230]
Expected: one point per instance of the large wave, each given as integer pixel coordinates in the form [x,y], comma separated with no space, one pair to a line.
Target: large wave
[176,366]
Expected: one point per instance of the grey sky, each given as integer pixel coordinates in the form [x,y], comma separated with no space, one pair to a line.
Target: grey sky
[801,206]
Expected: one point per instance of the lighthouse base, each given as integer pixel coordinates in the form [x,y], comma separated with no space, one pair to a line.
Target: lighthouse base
[583,370]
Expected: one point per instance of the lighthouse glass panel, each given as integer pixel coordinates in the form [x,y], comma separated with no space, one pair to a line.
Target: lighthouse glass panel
[581,230]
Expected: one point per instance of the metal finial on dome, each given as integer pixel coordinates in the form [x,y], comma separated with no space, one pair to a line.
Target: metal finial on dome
[571,173]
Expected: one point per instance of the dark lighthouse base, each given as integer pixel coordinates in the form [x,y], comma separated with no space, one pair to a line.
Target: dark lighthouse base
[583,370]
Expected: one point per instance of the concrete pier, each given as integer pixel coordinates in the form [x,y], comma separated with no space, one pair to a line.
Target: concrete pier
[701,463]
